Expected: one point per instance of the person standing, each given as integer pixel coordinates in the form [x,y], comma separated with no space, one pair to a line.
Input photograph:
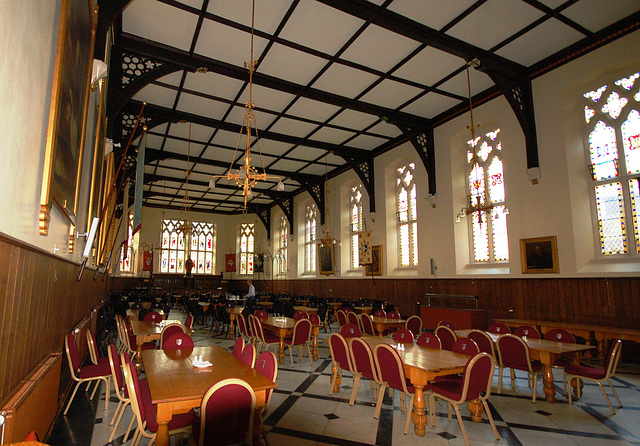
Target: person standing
[251,294]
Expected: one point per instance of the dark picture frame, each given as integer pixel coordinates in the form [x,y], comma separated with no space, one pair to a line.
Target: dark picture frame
[375,267]
[68,112]
[326,259]
[539,255]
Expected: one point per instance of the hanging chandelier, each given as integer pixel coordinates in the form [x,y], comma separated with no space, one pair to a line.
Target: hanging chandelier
[246,176]
[186,225]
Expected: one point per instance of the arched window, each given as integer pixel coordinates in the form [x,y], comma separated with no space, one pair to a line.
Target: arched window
[612,127]
[356,224]
[407,213]
[486,199]
[281,254]
[201,246]
[310,234]
[126,251]
[247,243]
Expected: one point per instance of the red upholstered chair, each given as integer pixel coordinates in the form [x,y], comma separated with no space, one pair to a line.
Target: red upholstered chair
[430,340]
[300,315]
[447,337]
[88,373]
[380,313]
[353,318]
[465,346]
[188,322]
[300,337]
[341,357]
[178,341]
[499,328]
[394,315]
[363,365]
[527,331]
[245,329]
[414,323]
[248,355]
[390,373]
[261,314]
[267,366]
[598,375]
[403,336]
[145,414]
[153,316]
[121,391]
[475,384]
[263,338]
[93,349]
[561,335]
[238,346]
[315,319]
[367,325]
[350,331]
[31,436]
[131,339]
[446,323]
[484,341]
[342,317]
[514,354]
[226,414]
[169,331]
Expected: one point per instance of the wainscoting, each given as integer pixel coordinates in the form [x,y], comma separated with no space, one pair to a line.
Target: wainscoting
[40,301]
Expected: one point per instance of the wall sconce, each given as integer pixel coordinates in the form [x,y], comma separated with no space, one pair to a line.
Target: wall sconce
[462,214]
[373,216]
[535,173]
[291,237]
[432,199]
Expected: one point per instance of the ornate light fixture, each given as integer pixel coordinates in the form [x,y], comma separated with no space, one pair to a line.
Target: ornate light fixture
[247,175]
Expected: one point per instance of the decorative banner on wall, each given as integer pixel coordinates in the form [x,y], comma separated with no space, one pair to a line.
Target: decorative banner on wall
[364,247]
[230,263]
[147,264]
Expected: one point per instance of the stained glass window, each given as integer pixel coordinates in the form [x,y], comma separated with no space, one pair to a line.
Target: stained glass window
[126,251]
[310,235]
[485,186]
[178,246]
[281,254]
[247,240]
[406,194]
[356,224]
[610,128]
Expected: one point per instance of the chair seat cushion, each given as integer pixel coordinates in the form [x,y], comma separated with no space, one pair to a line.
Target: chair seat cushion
[93,371]
[587,372]
[270,338]
[178,421]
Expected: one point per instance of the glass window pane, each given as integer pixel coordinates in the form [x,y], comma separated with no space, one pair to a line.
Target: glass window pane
[496,183]
[164,262]
[200,263]
[614,105]
[480,236]
[180,267]
[500,237]
[631,140]
[172,261]
[634,188]
[604,152]
[476,184]
[208,263]
[610,209]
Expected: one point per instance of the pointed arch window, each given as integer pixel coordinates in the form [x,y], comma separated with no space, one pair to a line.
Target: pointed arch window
[486,199]
[177,246]
[407,212]
[356,223]
[126,251]
[612,131]
[247,247]
[281,254]
[310,235]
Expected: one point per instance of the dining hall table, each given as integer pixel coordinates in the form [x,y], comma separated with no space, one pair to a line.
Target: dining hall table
[233,313]
[148,331]
[177,386]
[305,309]
[380,324]
[133,314]
[283,327]
[421,365]
[547,352]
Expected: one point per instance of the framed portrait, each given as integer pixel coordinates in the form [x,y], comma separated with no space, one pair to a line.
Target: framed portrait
[327,260]
[539,255]
[375,267]
[68,112]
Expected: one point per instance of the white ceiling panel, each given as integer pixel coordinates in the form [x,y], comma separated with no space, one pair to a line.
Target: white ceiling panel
[172,79]
[160,23]
[458,84]
[306,153]
[236,48]
[540,42]
[314,110]
[584,12]
[293,127]
[267,16]
[213,84]
[198,132]
[391,94]
[430,105]
[291,65]
[429,66]
[320,27]
[367,142]
[494,21]
[199,105]
[288,165]
[379,49]
[333,136]
[154,94]
[432,13]
[344,81]
[386,129]
[354,119]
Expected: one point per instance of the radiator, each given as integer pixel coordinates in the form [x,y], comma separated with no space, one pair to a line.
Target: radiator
[33,405]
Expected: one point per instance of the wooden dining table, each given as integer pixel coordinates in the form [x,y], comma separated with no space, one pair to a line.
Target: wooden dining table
[177,386]
[547,352]
[305,309]
[422,365]
[233,313]
[283,327]
[363,310]
[147,331]
[380,324]
[133,314]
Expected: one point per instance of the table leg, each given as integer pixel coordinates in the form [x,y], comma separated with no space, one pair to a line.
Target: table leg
[281,352]
[163,415]
[138,358]
[419,417]
[476,409]
[549,387]
[336,383]
[258,427]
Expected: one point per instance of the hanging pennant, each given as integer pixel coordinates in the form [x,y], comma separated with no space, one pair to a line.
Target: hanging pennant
[230,263]
[364,247]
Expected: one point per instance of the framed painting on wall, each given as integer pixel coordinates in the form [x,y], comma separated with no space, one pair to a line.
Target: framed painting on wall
[68,112]
[539,255]
[327,260]
[375,267]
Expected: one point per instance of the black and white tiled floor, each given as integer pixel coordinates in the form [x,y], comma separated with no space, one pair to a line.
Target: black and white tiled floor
[302,413]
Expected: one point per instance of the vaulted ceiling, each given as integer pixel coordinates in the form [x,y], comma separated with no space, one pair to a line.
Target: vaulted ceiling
[337,82]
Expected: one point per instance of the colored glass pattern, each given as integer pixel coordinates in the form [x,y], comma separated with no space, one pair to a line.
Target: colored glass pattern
[610,210]
[615,104]
[588,113]
[634,188]
[174,252]
[627,82]
[407,212]
[630,130]
[356,224]
[247,237]
[500,236]
[595,94]
[310,236]
[480,236]
[604,151]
